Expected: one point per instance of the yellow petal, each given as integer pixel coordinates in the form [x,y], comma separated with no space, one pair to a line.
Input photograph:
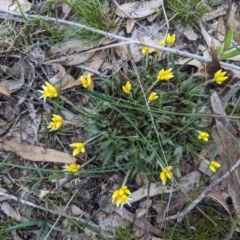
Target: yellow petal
[163,177]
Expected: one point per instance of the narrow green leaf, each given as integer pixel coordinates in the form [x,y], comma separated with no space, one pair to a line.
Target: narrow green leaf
[219,49]
[228,39]
[230,54]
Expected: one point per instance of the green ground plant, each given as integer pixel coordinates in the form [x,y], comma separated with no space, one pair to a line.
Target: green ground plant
[128,132]
[188,12]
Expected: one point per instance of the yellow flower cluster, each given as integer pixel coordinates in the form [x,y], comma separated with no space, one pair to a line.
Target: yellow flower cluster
[127,87]
[87,82]
[121,196]
[49,91]
[203,136]
[165,74]
[56,122]
[153,96]
[146,49]
[79,148]
[72,168]
[220,76]
[213,166]
[170,39]
[166,174]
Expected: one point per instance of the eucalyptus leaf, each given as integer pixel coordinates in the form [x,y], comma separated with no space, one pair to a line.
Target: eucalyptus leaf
[228,39]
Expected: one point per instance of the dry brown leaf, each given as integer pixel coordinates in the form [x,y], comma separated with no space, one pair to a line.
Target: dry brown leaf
[218,109]
[74,59]
[77,45]
[233,21]
[185,183]
[34,153]
[130,25]
[96,61]
[228,149]
[190,34]
[211,68]
[139,222]
[11,5]
[228,153]
[138,9]
[217,12]
[221,29]
[208,38]
[11,85]
[10,211]
[150,190]
[61,78]
[66,10]
[190,61]
[4,91]
[140,212]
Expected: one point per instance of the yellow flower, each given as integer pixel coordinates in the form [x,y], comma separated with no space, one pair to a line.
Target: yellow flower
[204,136]
[170,39]
[153,96]
[127,87]
[49,91]
[161,43]
[146,49]
[121,196]
[165,74]
[166,174]
[86,82]
[213,165]
[220,77]
[74,167]
[79,148]
[56,122]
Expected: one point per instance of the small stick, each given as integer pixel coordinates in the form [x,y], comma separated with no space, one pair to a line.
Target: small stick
[127,40]
[181,215]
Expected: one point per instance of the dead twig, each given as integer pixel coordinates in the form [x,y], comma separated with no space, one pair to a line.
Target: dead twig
[181,215]
[127,40]
[60,214]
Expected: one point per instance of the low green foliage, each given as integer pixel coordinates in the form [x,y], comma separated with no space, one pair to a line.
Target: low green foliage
[188,12]
[197,227]
[131,130]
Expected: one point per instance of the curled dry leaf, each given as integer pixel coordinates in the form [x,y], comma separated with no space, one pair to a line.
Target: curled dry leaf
[190,34]
[221,29]
[208,38]
[233,20]
[139,222]
[138,9]
[228,153]
[73,59]
[34,153]
[214,66]
[73,45]
[4,92]
[130,25]
[185,183]
[61,78]
[217,12]
[228,150]
[94,63]
[10,211]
